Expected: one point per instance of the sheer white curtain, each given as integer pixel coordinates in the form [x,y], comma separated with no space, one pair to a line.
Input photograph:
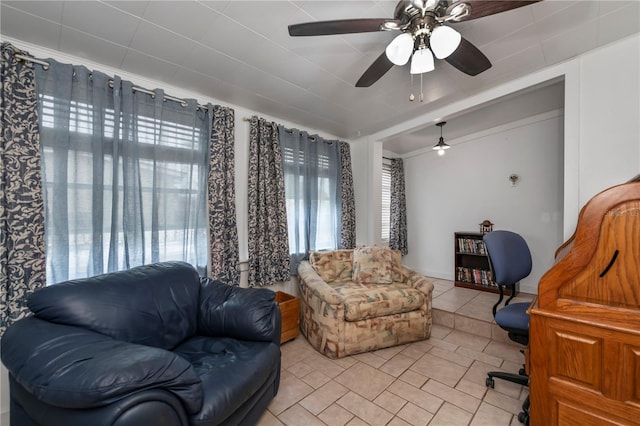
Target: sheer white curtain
[125,174]
[312,182]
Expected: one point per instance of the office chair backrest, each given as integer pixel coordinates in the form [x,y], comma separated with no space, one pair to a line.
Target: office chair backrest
[510,256]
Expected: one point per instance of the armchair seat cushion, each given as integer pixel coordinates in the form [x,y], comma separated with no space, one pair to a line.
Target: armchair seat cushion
[231,372]
[362,301]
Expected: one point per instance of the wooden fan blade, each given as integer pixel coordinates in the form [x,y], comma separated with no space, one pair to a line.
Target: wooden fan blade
[468,58]
[378,68]
[480,8]
[342,26]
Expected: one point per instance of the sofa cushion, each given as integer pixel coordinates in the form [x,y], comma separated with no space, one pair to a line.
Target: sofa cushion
[231,372]
[334,265]
[153,305]
[398,273]
[362,301]
[372,265]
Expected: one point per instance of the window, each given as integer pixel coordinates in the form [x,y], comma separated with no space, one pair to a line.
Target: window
[385,213]
[117,202]
[312,188]
[321,205]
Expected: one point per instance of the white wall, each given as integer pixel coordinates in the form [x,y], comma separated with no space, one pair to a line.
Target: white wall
[470,183]
[609,120]
[359,162]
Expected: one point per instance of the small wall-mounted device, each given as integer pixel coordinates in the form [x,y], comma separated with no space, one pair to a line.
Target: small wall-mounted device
[514,178]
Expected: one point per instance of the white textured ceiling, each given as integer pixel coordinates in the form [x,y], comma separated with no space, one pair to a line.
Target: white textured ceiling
[240,51]
[543,98]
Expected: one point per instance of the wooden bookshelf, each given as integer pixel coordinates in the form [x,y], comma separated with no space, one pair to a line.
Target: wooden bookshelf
[471,263]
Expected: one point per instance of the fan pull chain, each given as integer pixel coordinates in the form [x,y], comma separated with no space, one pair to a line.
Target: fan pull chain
[411,97]
[421,94]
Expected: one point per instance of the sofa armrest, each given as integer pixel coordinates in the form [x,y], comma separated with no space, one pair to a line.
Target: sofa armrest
[72,367]
[418,281]
[241,313]
[316,285]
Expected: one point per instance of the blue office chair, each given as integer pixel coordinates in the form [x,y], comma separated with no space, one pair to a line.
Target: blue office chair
[510,261]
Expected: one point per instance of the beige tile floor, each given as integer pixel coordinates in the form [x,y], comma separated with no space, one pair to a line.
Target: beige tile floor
[439,381]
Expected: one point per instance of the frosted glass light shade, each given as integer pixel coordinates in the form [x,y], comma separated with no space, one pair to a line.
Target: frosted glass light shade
[441,146]
[422,61]
[444,41]
[400,49]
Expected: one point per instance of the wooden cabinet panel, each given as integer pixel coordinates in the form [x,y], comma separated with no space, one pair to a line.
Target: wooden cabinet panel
[632,371]
[572,415]
[576,357]
[574,364]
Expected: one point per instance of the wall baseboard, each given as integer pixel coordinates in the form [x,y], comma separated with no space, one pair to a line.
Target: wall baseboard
[4,418]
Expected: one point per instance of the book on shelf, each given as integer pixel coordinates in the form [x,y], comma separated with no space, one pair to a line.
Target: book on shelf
[471,246]
[474,276]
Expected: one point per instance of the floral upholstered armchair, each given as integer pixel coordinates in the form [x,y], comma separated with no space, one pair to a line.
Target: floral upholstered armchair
[360,300]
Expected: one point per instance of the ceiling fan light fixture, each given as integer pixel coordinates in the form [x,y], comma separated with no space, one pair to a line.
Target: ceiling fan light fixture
[422,61]
[444,41]
[400,49]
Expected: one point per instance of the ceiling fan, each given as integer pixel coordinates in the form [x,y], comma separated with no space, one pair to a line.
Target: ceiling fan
[423,35]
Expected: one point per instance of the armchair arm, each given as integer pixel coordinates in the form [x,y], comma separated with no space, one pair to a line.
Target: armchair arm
[316,285]
[241,313]
[72,367]
[418,281]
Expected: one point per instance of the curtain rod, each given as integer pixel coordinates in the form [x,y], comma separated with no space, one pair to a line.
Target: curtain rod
[313,138]
[45,66]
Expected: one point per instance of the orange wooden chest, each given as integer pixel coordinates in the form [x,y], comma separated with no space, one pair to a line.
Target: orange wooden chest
[290,312]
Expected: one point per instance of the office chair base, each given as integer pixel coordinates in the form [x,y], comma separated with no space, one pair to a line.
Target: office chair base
[510,377]
[523,416]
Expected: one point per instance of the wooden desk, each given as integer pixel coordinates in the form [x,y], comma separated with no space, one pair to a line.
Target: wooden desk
[584,343]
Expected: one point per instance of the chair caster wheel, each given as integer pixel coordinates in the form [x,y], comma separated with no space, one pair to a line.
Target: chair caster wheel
[522,372]
[490,383]
[523,418]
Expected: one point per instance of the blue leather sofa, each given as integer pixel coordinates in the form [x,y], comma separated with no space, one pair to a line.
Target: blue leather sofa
[153,345]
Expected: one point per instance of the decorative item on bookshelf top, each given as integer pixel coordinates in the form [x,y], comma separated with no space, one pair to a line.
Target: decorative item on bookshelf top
[486,226]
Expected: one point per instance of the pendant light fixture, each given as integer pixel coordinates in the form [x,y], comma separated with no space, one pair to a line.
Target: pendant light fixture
[441,146]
